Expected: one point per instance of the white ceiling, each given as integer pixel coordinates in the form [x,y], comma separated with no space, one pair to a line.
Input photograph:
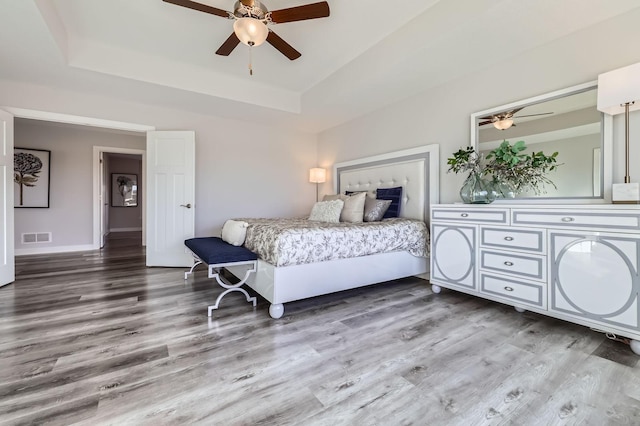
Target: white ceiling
[367,54]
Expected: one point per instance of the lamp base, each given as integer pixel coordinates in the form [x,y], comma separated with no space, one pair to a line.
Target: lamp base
[625,193]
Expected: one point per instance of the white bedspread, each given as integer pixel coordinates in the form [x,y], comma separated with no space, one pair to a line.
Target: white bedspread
[284,242]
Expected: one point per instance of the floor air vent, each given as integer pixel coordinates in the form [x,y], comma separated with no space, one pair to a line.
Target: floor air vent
[36,237]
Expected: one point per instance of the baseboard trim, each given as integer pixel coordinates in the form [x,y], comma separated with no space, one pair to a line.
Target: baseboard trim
[125,229]
[48,250]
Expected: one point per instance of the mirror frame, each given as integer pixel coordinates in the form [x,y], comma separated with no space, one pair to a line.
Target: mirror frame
[606,145]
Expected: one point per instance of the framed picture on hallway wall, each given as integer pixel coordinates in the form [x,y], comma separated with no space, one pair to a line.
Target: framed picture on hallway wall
[124,190]
[31,177]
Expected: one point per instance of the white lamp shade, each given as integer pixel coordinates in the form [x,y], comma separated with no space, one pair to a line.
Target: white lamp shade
[617,87]
[503,124]
[317,175]
[251,31]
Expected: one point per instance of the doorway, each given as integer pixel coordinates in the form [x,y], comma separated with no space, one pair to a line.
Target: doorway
[110,216]
[122,195]
[67,222]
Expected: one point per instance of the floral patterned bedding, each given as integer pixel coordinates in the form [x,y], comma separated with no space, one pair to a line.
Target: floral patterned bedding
[284,242]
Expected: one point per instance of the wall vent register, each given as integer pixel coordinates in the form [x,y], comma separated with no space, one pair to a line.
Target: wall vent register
[36,237]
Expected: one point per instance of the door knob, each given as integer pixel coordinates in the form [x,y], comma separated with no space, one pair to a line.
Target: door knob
[188,205]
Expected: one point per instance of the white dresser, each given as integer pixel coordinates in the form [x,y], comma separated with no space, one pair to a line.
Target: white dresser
[574,262]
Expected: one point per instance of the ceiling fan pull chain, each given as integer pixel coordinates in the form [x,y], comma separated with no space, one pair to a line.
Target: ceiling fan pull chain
[250,58]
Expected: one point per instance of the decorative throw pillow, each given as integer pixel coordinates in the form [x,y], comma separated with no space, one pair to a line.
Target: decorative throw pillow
[234,232]
[353,210]
[332,197]
[393,194]
[374,210]
[327,211]
[369,194]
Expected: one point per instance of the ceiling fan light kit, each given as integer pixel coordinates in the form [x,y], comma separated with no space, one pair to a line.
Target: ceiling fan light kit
[251,20]
[250,31]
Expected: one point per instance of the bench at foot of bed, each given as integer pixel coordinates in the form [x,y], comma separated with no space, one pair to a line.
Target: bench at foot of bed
[218,254]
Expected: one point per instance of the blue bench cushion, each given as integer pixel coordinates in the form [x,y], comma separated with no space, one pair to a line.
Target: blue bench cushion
[212,251]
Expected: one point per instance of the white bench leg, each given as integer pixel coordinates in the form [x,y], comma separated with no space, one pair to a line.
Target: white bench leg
[198,262]
[214,273]
[224,293]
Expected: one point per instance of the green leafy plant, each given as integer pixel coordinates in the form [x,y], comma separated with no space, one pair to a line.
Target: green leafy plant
[508,164]
[523,172]
[466,160]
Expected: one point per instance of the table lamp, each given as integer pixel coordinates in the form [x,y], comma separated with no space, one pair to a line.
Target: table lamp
[617,92]
[317,175]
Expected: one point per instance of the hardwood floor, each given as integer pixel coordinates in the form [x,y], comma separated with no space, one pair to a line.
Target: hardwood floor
[97,338]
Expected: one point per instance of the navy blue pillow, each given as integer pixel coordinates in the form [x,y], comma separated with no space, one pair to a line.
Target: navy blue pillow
[393,194]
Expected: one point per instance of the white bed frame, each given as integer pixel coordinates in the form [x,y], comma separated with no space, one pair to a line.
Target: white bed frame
[417,171]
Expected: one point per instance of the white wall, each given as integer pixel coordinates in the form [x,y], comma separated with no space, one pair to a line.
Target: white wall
[125,218]
[242,169]
[442,115]
[574,176]
[70,216]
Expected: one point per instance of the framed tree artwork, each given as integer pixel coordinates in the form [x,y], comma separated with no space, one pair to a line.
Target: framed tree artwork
[124,190]
[32,176]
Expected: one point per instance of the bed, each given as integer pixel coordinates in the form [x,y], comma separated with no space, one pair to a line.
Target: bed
[416,170]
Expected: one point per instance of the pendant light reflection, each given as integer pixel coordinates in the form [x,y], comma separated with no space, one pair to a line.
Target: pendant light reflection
[503,124]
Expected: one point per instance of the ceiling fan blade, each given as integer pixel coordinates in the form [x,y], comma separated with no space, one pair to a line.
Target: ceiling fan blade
[228,46]
[301,13]
[501,116]
[514,111]
[284,47]
[533,115]
[199,7]
[485,123]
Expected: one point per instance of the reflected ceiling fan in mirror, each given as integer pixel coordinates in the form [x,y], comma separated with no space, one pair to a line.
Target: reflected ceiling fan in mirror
[251,20]
[504,120]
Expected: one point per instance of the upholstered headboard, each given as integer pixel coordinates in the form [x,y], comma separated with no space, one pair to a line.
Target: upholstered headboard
[416,170]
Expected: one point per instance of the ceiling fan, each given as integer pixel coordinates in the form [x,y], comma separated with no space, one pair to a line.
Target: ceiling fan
[251,20]
[504,120]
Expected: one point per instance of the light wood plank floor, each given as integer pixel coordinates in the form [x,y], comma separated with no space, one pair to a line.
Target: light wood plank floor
[96,338]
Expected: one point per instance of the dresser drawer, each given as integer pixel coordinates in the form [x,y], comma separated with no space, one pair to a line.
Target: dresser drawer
[479,215]
[528,293]
[512,238]
[525,265]
[592,219]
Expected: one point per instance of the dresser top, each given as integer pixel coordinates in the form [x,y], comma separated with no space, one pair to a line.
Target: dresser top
[510,205]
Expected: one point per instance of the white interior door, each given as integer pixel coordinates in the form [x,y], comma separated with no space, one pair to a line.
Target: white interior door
[170,197]
[7,256]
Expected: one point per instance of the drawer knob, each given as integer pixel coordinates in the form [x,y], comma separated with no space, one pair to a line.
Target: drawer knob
[567,219]
[508,263]
[508,288]
[464,214]
[508,238]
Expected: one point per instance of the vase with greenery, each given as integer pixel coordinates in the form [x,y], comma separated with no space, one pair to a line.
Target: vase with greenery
[524,172]
[476,189]
[504,172]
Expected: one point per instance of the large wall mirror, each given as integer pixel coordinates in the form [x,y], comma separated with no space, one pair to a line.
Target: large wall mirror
[565,121]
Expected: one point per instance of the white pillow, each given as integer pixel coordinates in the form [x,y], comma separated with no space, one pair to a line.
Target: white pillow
[353,209]
[234,232]
[332,197]
[327,211]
